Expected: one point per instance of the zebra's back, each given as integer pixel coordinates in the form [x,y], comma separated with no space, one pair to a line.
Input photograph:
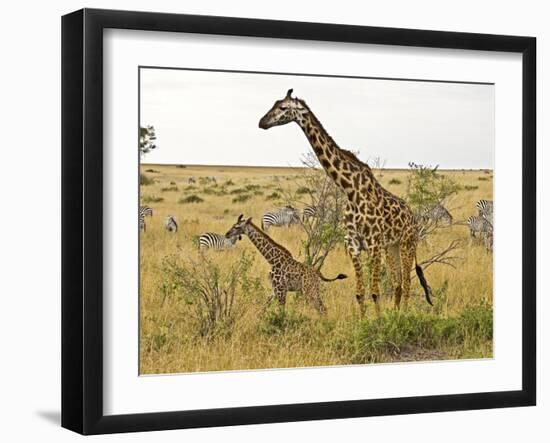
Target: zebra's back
[218,242]
[281,218]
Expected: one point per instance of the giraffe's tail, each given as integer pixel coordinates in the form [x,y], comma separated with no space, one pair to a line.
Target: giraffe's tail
[423,282]
[338,277]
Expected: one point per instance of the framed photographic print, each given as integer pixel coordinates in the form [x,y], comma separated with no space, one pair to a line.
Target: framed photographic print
[269,221]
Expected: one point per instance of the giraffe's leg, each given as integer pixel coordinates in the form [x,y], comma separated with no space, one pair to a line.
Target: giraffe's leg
[408,251]
[281,296]
[353,248]
[394,264]
[313,293]
[375,258]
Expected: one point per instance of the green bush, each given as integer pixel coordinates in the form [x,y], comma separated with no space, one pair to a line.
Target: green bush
[278,321]
[427,187]
[193,198]
[482,179]
[470,187]
[303,190]
[273,196]
[242,198]
[212,293]
[393,331]
[145,181]
[169,189]
[151,199]
[395,181]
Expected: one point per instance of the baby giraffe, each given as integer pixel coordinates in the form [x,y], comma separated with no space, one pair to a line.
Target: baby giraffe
[286,273]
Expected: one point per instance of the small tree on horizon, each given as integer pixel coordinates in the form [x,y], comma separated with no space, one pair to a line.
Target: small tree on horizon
[147,138]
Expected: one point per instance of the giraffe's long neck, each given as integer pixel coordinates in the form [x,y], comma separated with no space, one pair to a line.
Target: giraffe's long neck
[265,244]
[348,174]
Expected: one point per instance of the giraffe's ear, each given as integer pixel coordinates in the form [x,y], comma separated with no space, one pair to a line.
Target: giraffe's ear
[289,93]
[249,219]
[240,218]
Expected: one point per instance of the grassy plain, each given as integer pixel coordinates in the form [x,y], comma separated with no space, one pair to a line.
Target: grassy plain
[458,326]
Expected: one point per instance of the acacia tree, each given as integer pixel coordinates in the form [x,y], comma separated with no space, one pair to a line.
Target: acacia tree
[324,228]
[427,187]
[147,138]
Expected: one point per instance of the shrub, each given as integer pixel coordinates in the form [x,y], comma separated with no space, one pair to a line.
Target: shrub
[470,187]
[273,196]
[395,181]
[172,183]
[277,321]
[151,199]
[181,166]
[482,179]
[239,191]
[242,198]
[212,292]
[394,331]
[427,187]
[229,183]
[252,187]
[151,170]
[209,191]
[303,190]
[145,181]
[193,198]
[169,189]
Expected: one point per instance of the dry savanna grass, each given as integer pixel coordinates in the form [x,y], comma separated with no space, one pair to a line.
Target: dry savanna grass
[263,336]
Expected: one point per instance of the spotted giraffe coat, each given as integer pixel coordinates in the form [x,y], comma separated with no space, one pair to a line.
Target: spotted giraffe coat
[287,274]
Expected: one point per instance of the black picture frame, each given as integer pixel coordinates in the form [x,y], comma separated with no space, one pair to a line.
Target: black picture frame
[82,218]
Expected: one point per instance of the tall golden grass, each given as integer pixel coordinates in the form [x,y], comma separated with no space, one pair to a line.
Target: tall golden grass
[259,338]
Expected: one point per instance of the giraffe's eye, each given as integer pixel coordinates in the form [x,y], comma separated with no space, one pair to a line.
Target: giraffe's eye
[283,108]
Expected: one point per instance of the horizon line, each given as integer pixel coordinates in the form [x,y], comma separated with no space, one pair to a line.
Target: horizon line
[295,167]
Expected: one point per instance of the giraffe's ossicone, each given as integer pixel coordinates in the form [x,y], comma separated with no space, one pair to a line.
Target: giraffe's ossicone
[375,219]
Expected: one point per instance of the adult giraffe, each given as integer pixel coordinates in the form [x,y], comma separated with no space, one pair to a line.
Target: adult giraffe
[374,218]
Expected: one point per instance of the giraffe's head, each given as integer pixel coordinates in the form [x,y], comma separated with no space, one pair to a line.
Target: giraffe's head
[283,111]
[238,228]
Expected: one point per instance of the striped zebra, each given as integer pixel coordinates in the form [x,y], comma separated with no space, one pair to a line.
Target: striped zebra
[485,209]
[478,224]
[218,242]
[488,240]
[170,224]
[308,212]
[144,211]
[436,213]
[284,217]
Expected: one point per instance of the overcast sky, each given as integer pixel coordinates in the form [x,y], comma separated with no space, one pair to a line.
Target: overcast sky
[212,118]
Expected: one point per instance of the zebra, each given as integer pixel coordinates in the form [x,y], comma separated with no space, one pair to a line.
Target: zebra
[436,213]
[284,217]
[485,209]
[218,242]
[143,212]
[479,224]
[170,224]
[488,239]
[308,212]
